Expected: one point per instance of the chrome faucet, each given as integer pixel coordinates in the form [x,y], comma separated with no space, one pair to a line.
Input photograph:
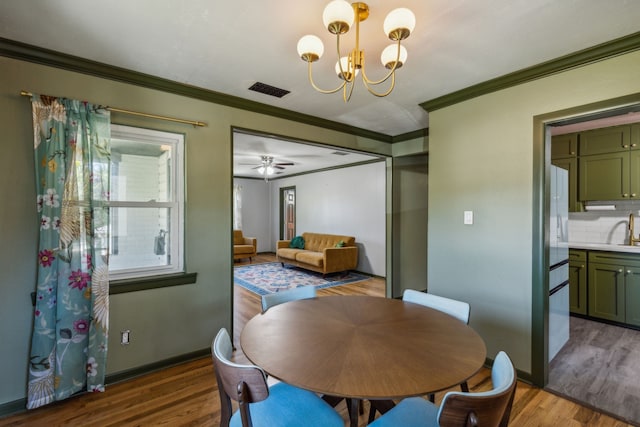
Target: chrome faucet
[632,240]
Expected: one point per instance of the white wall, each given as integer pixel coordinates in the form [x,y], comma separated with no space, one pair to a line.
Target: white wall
[348,201]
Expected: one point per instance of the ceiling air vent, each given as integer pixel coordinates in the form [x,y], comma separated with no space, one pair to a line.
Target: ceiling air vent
[340,153]
[268,90]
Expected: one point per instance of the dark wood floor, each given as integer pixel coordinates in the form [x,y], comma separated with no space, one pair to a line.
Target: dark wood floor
[187,394]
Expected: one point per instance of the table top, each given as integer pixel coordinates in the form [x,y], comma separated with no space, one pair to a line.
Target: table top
[363,347]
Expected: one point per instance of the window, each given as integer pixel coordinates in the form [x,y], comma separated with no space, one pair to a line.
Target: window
[146,224]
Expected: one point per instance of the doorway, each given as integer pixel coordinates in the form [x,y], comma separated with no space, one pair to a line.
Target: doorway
[588,366]
[287,213]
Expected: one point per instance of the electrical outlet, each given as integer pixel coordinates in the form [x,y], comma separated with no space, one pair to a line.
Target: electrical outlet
[124,337]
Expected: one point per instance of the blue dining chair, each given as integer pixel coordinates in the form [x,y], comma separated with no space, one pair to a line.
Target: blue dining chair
[259,405]
[302,292]
[455,308]
[458,309]
[486,409]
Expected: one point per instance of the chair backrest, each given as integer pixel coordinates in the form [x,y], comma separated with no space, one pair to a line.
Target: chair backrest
[488,408]
[243,383]
[455,308]
[303,292]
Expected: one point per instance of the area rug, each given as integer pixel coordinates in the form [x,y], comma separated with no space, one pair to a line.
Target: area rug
[271,277]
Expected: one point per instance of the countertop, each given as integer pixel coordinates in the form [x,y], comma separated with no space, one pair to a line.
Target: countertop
[605,247]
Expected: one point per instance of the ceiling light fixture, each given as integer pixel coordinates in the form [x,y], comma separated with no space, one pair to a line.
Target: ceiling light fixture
[267,167]
[339,17]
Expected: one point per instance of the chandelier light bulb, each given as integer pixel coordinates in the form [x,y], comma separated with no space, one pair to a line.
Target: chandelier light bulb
[338,16]
[310,48]
[348,71]
[390,54]
[399,23]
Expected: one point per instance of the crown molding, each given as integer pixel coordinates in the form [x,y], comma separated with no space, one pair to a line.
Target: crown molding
[420,133]
[39,55]
[590,55]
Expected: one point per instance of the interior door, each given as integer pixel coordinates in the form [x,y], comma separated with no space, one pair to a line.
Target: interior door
[287,213]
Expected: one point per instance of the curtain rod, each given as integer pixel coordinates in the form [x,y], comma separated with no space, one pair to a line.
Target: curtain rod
[136,113]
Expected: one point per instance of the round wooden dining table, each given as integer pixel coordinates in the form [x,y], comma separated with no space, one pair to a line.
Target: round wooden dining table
[363,347]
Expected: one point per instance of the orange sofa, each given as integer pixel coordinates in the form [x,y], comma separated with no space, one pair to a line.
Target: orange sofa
[323,253]
[243,247]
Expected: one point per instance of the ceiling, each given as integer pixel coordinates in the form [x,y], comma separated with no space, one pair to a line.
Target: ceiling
[249,148]
[226,46]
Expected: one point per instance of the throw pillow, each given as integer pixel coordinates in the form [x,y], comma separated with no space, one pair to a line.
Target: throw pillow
[340,244]
[297,242]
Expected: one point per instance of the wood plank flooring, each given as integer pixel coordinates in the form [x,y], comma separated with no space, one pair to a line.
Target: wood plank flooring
[187,394]
[600,366]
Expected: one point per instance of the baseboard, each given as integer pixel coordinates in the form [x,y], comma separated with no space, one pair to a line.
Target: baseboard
[11,408]
[156,366]
[20,405]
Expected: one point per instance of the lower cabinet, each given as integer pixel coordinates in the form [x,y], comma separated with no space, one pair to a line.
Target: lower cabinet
[578,281]
[614,287]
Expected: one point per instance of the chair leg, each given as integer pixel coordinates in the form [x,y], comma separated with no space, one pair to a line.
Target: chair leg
[432,397]
[464,387]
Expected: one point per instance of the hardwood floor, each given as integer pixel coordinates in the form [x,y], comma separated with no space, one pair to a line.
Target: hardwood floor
[187,394]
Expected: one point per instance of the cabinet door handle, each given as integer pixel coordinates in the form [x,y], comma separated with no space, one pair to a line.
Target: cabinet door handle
[573,153]
[625,195]
[633,194]
[633,145]
[620,271]
[625,145]
[582,266]
[628,271]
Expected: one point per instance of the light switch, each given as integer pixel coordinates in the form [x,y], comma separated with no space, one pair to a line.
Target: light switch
[468,217]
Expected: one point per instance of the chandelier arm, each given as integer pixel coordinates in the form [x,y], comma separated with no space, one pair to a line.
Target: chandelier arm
[391,72]
[323,90]
[349,76]
[344,92]
[382,94]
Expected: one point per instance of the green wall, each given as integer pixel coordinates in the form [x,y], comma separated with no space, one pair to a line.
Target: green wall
[482,158]
[166,322]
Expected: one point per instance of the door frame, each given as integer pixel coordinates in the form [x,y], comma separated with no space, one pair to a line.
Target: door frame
[281,220]
[540,223]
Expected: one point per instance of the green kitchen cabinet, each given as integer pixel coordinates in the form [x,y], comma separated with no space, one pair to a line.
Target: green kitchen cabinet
[606,140]
[632,296]
[578,281]
[609,164]
[564,146]
[606,291]
[604,177]
[614,286]
[564,154]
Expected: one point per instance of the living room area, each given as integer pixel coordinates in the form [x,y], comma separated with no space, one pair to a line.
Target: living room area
[348,199]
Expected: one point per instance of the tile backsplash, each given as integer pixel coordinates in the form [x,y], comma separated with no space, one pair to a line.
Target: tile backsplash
[608,227]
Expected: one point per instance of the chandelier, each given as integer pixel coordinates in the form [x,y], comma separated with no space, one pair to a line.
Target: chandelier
[339,17]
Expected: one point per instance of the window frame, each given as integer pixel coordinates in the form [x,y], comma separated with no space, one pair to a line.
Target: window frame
[177,206]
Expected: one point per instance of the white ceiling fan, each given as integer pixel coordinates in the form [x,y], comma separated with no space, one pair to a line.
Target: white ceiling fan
[268,167]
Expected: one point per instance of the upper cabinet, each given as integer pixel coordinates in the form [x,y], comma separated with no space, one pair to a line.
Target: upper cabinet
[607,140]
[564,154]
[603,164]
[609,163]
[564,146]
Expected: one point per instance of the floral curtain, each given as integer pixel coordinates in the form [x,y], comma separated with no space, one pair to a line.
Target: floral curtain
[71,317]
[237,207]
